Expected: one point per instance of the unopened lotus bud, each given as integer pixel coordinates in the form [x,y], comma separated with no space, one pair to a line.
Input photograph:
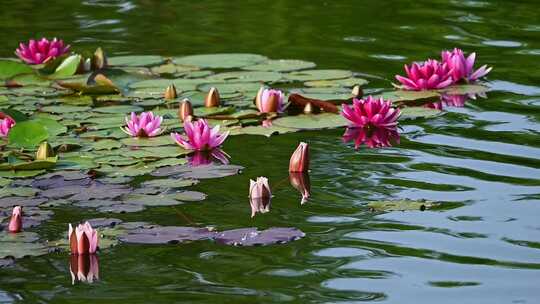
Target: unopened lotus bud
[99,59]
[185,110]
[308,108]
[15,223]
[44,151]
[258,97]
[300,159]
[357,91]
[269,101]
[170,92]
[212,99]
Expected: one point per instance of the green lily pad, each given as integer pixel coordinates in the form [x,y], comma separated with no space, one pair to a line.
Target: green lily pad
[465,89]
[311,122]
[27,134]
[68,67]
[19,191]
[10,68]
[402,205]
[126,171]
[221,61]
[159,85]
[232,87]
[260,130]
[163,140]
[20,245]
[76,163]
[410,113]
[136,60]
[106,144]
[52,126]
[171,68]
[21,173]
[281,65]
[50,162]
[245,76]
[150,200]
[348,83]
[309,75]
[65,109]
[169,183]
[118,109]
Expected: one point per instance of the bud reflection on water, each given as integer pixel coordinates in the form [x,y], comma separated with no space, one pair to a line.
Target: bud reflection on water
[300,181]
[84,268]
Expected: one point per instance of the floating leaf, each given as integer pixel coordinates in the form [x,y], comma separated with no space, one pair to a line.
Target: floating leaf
[245,76]
[65,109]
[199,172]
[10,68]
[118,109]
[221,61]
[52,126]
[281,65]
[163,140]
[27,134]
[68,67]
[308,75]
[136,60]
[20,245]
[418,112]
[50,162]
[402,205]
[253,237]
[260,130]
[348,82]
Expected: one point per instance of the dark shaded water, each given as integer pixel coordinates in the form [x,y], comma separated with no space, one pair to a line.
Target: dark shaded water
[484,156]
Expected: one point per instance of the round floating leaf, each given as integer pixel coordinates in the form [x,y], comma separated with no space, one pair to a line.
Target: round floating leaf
[311,122]
[21,173]
[163,140]
[20,245]
[8,202]
[348,82]
[106,144]
[118,109]
[402,205]
[245,76]
[144,60]
[52,126]
[418,112]
[253,237]
[199,172]
[281,65]
[65,109]
[27,134]
[232,87]
[10,68]
[402,95]
[150,200]
[169,183]
[221,61]
[19,191]
[317,75]
[166,235]
[260,130]
[189,196]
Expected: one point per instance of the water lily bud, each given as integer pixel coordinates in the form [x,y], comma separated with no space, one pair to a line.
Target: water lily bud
[83,239]
[212,99]
[15,224]
[258,97]
[300,159]
[308,109]
[99,59]
[259,188]
[357,91]
[185,110]
[269,101]
[170,92]
[44,151]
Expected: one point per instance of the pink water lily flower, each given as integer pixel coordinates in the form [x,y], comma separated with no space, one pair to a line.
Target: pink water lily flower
[6,123]
[463,67]
[371,111]
[38,52]
[269,101]
[144,125]
[200,137]
[372,137]
[428,75]
[83,239]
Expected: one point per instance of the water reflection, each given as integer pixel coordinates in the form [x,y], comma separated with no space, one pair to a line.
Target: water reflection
[372,137]
[260,205]
[201,158]
[84,268]
[454,100]
[300,181]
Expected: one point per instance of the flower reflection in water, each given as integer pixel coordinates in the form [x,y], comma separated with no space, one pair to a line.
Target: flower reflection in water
[202,158]
[300,181]
[373,137]
[456,100]
[84,268]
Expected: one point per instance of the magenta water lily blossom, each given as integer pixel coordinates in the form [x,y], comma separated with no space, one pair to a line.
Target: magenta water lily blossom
[371,112]
[144,125]
[200,136]
[83,239]
[427,75]
[41,51]
[6,123]
[463,67]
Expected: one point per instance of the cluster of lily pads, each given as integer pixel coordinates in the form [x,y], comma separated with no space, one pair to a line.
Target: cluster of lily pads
[86,126]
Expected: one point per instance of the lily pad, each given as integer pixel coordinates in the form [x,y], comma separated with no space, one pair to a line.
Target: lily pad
[402,205]
[136,60]
[20,245]
[167,235]
[68,67]
[281,65]
[253,237]
[260,130]
[163,140]
[465,89]
[348,83]
[27,134]
[8,202]
[309,75]
[221,61]
[169,183]
[410,113]
[10,68]
[118,109]
[199,172]
[245,76]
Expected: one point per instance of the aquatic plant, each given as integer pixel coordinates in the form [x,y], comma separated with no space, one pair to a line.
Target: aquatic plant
[427,75]
[83,239]
[6,123]
[371,111]
[299,161]
[170,92]
[259,188]
[15,223]
[42,51]
[463,67]
[144,125]
[212,98]
[185,110]
[199,136]
[269,101]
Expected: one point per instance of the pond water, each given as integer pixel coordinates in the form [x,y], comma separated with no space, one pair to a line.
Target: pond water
[483,157]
